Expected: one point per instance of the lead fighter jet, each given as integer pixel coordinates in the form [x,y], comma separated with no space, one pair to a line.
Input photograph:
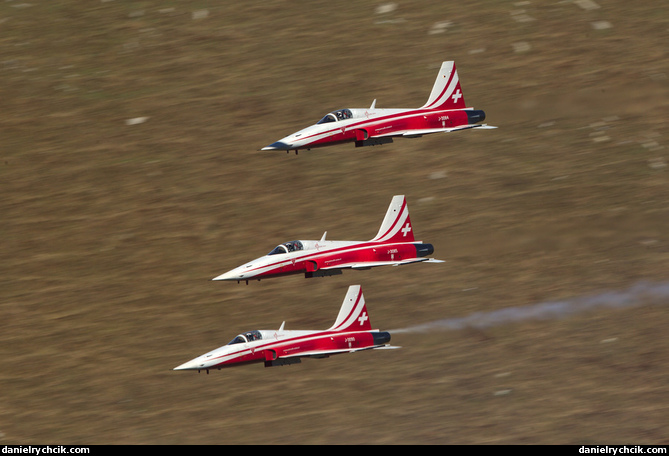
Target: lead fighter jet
[350,333]
[394,245]
[445,111]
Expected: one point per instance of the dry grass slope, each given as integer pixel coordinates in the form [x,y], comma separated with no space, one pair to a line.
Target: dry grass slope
[130,175]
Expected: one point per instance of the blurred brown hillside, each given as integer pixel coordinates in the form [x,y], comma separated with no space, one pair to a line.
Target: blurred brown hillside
[131,175]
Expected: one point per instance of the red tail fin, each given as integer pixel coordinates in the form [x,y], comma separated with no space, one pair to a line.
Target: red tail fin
[353,313]
[396,225]
[446,92]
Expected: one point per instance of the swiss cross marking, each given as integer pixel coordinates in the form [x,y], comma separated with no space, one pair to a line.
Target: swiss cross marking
[363,318]
[456,96]
[406,229]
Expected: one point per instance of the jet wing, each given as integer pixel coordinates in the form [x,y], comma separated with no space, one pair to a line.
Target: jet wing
[326,353]
[373,264]
[428,131]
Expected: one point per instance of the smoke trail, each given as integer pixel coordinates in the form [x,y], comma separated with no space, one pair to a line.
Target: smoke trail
[637,295]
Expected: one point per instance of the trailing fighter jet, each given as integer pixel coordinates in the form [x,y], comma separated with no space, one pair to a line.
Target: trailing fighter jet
[394,245]
[445,111]
[350,333]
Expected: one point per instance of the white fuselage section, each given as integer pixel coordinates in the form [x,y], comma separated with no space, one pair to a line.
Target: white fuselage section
[269,264]
[362,118]
[231,353]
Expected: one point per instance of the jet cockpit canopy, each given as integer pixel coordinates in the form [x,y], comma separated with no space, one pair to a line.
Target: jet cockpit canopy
[286,247]
[335,116]
[246,337]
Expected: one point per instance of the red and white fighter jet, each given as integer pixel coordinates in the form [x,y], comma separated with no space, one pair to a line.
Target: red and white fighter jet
[445,111]
[394,245]
[350,333]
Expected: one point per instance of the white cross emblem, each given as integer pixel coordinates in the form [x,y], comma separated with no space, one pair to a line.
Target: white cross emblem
[363,318]
[406,229]
[456,96]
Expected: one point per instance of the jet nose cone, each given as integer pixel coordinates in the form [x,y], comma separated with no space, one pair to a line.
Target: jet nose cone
[279,145]
[230,275]
[239,273]
[190,365]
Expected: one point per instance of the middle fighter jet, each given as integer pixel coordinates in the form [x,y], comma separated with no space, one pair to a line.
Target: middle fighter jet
[394,245]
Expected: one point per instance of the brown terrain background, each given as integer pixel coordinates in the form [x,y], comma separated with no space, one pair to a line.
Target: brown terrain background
[131,175]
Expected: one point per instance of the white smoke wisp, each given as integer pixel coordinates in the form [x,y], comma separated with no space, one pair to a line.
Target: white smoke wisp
[637,295]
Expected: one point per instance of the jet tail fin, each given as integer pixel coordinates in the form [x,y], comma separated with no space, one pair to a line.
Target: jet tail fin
[396,225]
[446,92]
[353,312]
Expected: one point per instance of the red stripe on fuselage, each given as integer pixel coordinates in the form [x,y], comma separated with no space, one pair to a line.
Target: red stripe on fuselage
[371,122]
[315,340]
[310,256]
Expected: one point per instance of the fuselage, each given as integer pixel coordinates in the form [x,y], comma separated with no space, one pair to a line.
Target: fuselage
[271,345]
[360,125]
[314,257]
[351,332]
